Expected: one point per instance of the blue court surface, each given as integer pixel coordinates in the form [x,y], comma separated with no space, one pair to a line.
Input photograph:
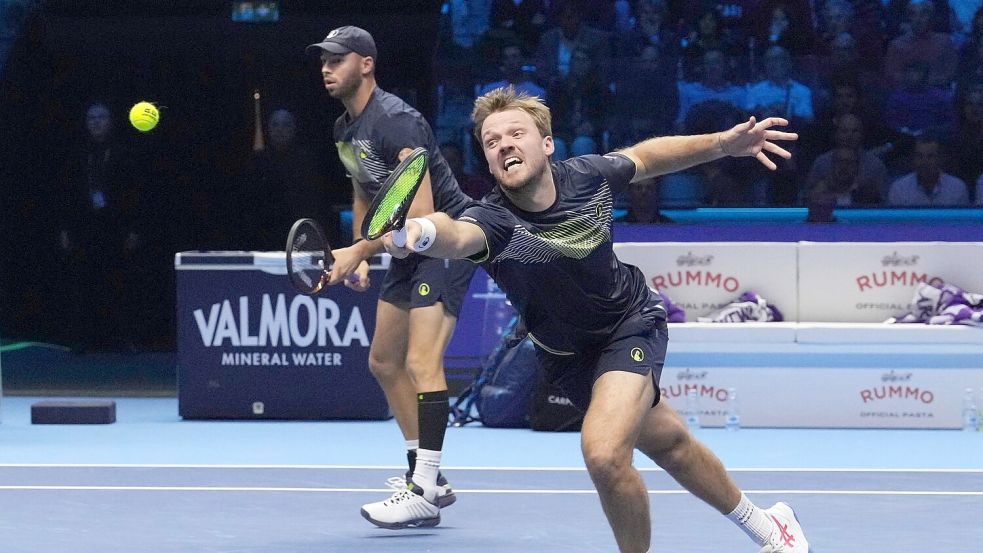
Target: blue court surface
[152,482]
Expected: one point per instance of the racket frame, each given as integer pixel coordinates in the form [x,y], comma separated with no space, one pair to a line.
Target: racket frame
[397,222]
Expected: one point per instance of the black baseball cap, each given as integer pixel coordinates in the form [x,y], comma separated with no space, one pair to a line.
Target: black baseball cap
[347,39]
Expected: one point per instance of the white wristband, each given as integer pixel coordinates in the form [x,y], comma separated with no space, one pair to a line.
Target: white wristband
[428,234]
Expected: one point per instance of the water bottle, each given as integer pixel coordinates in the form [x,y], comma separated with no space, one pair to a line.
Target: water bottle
[979,411]
[732,419]
[969,411]
[692,410]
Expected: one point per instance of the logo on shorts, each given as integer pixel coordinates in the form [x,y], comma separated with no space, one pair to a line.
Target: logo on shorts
[363,154]
[637,354]
[424,289]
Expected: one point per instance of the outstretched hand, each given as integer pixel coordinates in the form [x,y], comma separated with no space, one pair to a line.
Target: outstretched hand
[754,138]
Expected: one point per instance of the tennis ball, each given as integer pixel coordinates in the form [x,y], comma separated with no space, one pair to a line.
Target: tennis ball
[144,116]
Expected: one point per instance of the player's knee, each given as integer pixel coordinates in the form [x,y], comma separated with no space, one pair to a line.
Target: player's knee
[421,367]
[671,446]
[383,369]
[606,465]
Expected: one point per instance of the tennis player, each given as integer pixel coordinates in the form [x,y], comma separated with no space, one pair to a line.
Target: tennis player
[544,233]
[420,297]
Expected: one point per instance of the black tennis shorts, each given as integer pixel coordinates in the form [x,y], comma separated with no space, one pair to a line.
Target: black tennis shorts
[638,345]
[420,281]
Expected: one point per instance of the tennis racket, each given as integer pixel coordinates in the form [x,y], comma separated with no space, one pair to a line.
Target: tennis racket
[392,203]
[309,257]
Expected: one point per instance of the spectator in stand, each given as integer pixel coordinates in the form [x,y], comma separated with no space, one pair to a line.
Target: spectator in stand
[778,93]
[645,98]
[643,203]
[928,185]
[557,44]
[723,182]
[843,62]
[526,17]
[921,44]
[707,35]
[713,85]
[840,187]
[847,100]
[897,23]
[968,143]
[860,19]
[651,29]
[469,19]
[783,23]
[917,106]
[979,191]
[102,236]
[471,184]
[971,56]
[852,175]
[578,107]
[288,183]
[513,73]
[734,17]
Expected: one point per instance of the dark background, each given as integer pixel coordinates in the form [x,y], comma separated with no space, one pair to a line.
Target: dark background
[191,59]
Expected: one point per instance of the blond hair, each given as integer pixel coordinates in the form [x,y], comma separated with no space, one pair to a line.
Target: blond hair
[505,98]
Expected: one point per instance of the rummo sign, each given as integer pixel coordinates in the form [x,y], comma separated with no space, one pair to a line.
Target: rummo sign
[809,397]
[249,346]
[870,282]
[702,277]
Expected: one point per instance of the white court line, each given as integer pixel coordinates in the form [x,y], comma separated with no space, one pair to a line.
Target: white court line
[471,468]
[524,492]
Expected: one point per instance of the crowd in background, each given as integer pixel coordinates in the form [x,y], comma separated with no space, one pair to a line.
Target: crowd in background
[886,95]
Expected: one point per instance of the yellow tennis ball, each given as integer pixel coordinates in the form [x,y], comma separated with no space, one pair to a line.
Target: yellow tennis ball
[144,116]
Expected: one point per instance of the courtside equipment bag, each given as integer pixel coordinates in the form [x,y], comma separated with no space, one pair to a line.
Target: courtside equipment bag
[501,393]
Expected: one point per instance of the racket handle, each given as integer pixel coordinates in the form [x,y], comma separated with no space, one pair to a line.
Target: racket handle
[399,238]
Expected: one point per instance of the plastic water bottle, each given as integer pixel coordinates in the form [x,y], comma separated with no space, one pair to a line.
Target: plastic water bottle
[969,411]
[732,420]
[692,410]
[979,411]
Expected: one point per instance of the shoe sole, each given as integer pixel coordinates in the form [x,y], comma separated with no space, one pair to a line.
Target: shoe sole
[419,523]
[446,500]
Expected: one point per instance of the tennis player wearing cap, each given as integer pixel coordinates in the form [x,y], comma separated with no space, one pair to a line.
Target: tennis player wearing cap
[420,297]
[544,234]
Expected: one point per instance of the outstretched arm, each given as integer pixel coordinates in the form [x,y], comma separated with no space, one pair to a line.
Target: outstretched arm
[668,154]
[437,235]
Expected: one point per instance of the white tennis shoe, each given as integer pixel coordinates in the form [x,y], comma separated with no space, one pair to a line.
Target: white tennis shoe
[445,494]
[788,536]
[404,509]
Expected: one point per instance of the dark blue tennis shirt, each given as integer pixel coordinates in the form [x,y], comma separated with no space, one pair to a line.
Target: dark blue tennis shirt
[369,147]
[558,266]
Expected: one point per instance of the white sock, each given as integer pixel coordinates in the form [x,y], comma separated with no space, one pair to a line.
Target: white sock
[753,520]
[425,475]
[412,444]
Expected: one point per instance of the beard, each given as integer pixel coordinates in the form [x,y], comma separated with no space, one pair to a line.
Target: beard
[346,88]
[535,175]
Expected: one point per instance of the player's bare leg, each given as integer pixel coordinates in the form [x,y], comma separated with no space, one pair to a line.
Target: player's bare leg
[418,503]
[665,439]
[387,361]
[618,406]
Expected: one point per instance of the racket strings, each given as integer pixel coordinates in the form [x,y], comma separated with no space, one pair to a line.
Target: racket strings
[396,197]
[307,257]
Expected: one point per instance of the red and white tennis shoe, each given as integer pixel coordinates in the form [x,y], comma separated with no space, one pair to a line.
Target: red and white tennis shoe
[788,536]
